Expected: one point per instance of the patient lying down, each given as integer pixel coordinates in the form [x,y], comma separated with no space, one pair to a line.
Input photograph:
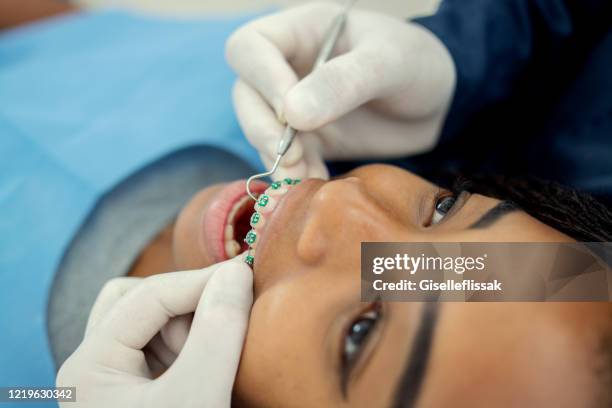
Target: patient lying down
[312,343]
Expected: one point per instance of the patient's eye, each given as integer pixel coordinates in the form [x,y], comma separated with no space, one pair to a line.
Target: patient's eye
[358,333]
[442,207]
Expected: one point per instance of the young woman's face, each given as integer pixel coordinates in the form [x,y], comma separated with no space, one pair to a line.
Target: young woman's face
[311,342]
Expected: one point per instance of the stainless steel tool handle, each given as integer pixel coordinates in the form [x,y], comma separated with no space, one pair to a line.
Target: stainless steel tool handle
[331,38]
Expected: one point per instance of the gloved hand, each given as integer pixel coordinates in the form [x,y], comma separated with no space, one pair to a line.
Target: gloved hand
[115,367]
[386,95]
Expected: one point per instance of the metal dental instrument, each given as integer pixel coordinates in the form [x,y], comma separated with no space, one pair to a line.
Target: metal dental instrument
[329,43]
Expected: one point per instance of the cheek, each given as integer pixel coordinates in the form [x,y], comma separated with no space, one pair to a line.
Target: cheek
[290,355]
[337,231]
[186,246]
[502,356]
[279,362]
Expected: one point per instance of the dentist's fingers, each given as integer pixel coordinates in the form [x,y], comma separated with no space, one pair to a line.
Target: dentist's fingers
[260,51]
[366,68]
[158,356]
[263,131]
[313,157]
[110,294]
[169,342]
[312,164]
[350,137]
[343,84]
[261,126]
[261,64]
[217,334]
[144,310]
[175,333]
[298,170]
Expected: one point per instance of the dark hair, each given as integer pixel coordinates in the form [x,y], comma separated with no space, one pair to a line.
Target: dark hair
[577,214]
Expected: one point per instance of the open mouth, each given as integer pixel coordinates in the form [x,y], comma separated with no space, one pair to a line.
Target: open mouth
[237,226]
[232,223]
[225,220]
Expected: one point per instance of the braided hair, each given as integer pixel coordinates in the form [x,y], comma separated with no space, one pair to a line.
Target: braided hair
[576,214]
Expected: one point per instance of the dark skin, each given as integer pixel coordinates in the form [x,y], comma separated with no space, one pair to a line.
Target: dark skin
[157,256]
[307,295]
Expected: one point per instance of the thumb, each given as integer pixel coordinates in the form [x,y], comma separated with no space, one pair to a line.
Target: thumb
[213,346]
[339,86]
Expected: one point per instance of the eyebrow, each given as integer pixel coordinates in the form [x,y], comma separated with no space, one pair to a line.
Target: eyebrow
[495,214]
[409,385]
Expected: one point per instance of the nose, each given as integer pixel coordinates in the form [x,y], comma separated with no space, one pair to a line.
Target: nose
[342,213]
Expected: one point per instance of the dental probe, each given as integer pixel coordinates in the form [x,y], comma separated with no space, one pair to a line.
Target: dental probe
[329,43]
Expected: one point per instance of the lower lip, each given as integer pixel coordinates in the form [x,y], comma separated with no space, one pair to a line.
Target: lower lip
[214,218]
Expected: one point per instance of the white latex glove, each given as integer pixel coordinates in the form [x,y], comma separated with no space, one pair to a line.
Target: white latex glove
[111,369]
[385,96]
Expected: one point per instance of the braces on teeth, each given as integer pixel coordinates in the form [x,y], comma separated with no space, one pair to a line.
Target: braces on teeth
[265,203]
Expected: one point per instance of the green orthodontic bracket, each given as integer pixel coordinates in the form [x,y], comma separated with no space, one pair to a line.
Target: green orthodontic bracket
[263,200]
[255,218]
[250,238]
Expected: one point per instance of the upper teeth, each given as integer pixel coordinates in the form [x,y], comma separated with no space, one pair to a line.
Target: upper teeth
[256,219]
[264,205]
